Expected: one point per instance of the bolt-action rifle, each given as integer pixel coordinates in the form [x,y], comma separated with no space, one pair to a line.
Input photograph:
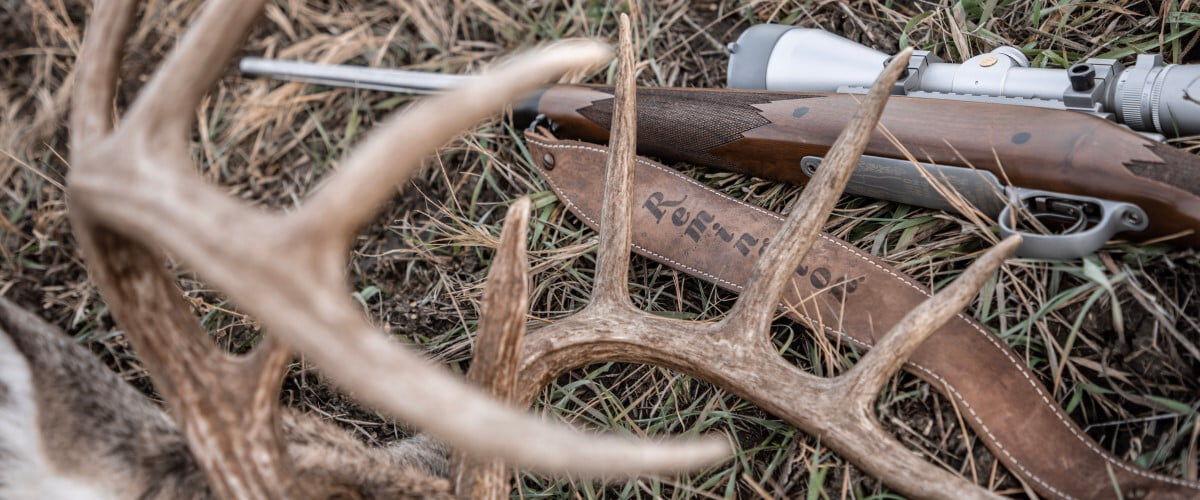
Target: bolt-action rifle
[1067,181]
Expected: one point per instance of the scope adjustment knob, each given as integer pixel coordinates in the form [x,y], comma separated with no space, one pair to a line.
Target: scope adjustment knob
[1083,77]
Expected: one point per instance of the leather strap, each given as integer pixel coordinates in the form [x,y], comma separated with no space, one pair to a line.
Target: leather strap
[851,295]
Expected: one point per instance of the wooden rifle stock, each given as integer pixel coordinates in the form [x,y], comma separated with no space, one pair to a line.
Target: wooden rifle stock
[765,134]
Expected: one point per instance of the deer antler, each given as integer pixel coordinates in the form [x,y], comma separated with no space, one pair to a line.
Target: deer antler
[133,190]
[736,352]
[496,362]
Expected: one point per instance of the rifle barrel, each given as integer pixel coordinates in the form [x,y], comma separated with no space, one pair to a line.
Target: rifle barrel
[359,77]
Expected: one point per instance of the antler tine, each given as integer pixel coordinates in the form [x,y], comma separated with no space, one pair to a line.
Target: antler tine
[755,308]
[495,365]
[612,269]
[394,150]
[166,106]
[863,382]
[96,70]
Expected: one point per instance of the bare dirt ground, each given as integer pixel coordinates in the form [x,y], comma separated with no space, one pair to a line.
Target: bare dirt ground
[1114,336]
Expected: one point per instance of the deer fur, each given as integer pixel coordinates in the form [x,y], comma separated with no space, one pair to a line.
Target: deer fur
[71,428]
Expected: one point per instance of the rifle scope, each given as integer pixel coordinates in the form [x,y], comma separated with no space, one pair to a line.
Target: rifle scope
[1150,97]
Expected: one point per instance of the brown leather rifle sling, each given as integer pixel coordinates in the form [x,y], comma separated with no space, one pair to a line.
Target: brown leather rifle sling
[854,296]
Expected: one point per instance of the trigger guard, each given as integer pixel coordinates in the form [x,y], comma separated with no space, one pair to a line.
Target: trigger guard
[1115,218]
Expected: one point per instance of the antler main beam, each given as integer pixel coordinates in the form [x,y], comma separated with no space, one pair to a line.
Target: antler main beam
[736,353]
[134,190]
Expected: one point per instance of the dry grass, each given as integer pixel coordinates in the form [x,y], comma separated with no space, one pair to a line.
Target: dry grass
[1115,336]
